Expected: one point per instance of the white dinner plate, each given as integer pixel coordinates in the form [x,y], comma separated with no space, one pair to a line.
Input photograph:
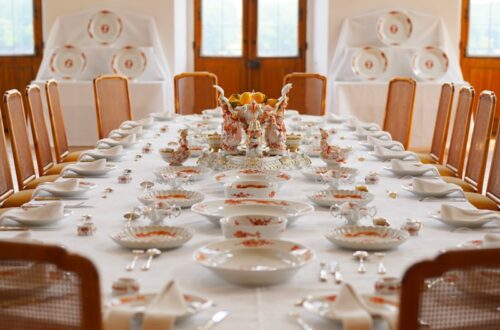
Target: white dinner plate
[81,169]
[214,210]
[129,61]
[369,63]
[254,262]
[367,237]
[83,188]
[458,222]
[430,63]
[249,174]
[37,221]
[437,193]
[105,27]
[182,198]
[146,237]
[68,62]
[316,173]
[195,173]
[394,28]
[331,197]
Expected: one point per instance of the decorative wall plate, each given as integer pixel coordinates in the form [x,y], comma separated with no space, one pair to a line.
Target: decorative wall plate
[68,62]
[394,28]
[105,27]
[129,61]
[430,63]
[369,63]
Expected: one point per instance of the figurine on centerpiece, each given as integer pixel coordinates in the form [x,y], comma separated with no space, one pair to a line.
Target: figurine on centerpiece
[276,134]
[231,128]
[331,154]
[181,154]
[254,139]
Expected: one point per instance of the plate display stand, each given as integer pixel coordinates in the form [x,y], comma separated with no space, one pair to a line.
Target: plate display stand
[222,161]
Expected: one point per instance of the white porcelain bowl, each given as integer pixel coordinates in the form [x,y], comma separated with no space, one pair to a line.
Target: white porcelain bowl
[254,225]
[251,189]
[254,262]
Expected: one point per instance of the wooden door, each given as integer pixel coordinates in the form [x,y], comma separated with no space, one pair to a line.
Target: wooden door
[480,46]
[20,43]
[267,40]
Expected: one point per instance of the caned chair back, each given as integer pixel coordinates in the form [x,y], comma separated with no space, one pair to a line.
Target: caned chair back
[45,287]
[21,149]
[442,123]
[194,92]
[112,103]
[39,129]
[399,109]
[6,182]
[56,120]
[480,141]
[460,132]
[493,187]
[457,290]
[308,93]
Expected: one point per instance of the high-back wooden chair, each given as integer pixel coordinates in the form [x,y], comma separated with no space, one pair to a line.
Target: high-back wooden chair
[440,135]
[479,146]
[59,137]
[194,92]
[460,133]
[6,182]
[308,94]
[21,148]
[457,290]
[45,287]
[492,199]
[399,109]
[112,103]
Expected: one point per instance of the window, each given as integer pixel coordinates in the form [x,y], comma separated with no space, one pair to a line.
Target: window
[484,28]
[277,28]
[222,28]
[16,27]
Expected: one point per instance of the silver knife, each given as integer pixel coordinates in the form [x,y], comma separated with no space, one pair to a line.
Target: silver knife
[216,318]
[335,271]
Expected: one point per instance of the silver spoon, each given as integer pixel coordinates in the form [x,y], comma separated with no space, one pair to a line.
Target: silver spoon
[298,319]
[381,267]
[361,256]
[152,253]
[137,253]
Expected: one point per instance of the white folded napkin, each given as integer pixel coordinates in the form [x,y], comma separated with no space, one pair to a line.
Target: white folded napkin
[401,165]
[63,185]
[355,123]
[214,112]
[384,143]
[121,132]
[393,154]
[102,153]
[146,122]
[451,212]
[159,314]
[332,117]
[124,141]
[349,308]
[53,210]
[433,186]
[95,165]
[491,240]
[382,135]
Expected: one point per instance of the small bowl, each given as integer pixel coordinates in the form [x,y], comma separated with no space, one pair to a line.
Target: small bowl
[293,142]
[253,226]
[388,286]
[251,189]
[169,156]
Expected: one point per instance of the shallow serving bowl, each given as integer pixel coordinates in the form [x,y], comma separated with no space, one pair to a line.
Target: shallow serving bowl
[182,198]
[254,225]
[146,237]
[367,237]
[331,197]
[195,173]
[216,209]
[250,189]
[254,262]
[249,174]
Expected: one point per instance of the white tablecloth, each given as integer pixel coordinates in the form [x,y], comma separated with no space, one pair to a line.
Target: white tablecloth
[367,101]
[251,308]
[77,98]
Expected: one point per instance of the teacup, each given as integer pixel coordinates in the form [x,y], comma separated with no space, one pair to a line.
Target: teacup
[161,210]
[214,142]
[251,189]
[388,286]
[258,226]
[293,142]
[352,212]
[412,226]
[125,286]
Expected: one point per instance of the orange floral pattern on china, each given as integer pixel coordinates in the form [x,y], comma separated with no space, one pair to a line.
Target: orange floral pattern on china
[241,195]
[256,221]
[250,185]
[155,233]
[351,196]
[366,233]
[272,194]
[219,177]
[172,196]
[244,234]
[255,242]
[284,176]
[254,201]
[189,170]
[200,256]
[250,171]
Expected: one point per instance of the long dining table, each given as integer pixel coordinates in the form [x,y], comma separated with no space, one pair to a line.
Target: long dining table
[250,307]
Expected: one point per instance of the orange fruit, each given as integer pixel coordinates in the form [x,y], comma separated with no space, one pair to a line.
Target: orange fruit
[259,97]
[246,98]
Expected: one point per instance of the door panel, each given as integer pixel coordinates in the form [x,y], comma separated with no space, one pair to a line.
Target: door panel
[272,43]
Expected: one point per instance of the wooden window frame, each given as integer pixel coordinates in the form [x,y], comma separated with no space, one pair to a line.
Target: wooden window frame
[464,34]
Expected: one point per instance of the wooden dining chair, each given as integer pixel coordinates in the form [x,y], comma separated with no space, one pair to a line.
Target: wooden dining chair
[440,135]
[491,199]
[479,146]
[457,290]
[399,109]
[45,287]
[194,92]
[27,178]
[308,93]
[8,196]
[459,136]
[43,150]
[57,124]
[112,103]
